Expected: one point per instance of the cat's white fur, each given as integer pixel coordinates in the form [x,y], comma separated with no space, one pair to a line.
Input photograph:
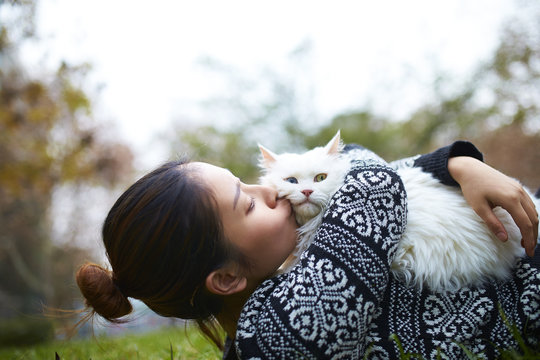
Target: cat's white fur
[305,167]
[445,246]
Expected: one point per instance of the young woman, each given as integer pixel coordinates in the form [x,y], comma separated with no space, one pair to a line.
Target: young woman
[191,241]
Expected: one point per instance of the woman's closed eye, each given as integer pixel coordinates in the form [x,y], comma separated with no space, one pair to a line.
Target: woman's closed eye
[251,205]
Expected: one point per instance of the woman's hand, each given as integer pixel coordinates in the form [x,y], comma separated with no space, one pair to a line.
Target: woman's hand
[484,188]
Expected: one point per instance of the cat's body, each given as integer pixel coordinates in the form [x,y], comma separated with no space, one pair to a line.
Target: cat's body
[445,246]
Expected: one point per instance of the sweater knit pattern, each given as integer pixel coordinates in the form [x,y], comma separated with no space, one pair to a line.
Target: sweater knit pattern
[323,306]
[341,301]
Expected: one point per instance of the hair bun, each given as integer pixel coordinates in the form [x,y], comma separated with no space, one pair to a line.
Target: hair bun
[97,286]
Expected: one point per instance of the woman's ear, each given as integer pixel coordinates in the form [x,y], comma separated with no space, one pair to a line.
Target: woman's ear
[225,281]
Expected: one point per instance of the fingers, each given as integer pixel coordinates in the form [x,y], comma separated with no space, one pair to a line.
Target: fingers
[532,213]
[525,225]
[525,216]
[493,223]
[522,209]
[526,219]
[485,188]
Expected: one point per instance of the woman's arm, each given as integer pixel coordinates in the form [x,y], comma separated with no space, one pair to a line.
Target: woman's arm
[460,164]
[436,162]
[324,306]
[484,188]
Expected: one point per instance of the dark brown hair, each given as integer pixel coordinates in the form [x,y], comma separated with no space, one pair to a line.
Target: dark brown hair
[163,236]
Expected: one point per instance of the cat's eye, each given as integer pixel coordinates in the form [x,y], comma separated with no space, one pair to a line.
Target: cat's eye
[319,177]
[292,180]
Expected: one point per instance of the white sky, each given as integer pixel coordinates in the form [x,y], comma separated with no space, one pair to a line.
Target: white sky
[146,53]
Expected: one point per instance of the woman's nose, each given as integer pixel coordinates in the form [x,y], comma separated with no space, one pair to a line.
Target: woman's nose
[268,194]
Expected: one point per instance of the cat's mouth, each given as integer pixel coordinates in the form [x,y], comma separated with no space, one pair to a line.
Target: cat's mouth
[306,204]
[305,211]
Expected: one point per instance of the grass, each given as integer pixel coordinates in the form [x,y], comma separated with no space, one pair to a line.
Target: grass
[170,343]
[174,343]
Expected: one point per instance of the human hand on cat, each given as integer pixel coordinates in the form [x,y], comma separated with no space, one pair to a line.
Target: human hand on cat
[484,188]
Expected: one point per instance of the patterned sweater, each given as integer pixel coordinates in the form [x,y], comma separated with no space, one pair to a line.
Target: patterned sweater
[341,301]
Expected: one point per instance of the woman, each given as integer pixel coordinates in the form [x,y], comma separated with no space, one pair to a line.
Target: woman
[191,241]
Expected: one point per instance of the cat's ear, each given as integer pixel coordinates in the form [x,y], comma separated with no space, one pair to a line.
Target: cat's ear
[268,157]
[334,146]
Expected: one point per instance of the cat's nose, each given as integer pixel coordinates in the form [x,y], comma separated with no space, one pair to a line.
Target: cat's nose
[307,192]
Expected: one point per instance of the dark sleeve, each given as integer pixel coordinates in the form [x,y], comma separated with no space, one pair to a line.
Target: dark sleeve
[436,162]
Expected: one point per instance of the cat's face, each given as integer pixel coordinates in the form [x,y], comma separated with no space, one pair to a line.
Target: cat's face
[308,180]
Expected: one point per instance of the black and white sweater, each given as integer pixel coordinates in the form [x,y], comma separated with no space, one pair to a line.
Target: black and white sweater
[341,301]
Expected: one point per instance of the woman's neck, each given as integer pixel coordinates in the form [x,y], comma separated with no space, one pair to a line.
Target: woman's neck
[228,317]
[232,307]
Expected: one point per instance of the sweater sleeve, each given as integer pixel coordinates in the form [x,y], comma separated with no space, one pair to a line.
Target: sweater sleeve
[324,306]
[436,162]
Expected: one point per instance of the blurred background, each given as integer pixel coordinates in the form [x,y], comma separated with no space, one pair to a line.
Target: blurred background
[93,94]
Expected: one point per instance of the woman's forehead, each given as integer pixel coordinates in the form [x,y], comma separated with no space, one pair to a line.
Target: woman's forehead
[211,169]
[215,176]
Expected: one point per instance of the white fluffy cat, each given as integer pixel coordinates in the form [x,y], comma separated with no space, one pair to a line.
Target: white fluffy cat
[445,246]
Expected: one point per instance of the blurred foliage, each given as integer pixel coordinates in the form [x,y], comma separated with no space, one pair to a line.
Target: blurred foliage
[48,138]
[23,331]
[497,108]
[229,149]
[265,108]
[371,131]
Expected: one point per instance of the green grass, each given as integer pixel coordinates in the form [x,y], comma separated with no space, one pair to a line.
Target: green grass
[170,343]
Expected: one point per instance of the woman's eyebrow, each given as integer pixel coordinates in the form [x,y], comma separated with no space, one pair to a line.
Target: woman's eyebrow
[237,195]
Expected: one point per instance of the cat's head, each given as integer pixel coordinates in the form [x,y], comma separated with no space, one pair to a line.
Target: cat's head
[308,180]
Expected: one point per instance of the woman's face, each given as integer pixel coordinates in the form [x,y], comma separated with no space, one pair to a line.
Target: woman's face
[261,226]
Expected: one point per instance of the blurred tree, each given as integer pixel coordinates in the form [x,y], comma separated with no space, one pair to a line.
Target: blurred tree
[513,151]
[267,108]
[48,138]
[371,131]
[228,149]
[496,108]
[513,76]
